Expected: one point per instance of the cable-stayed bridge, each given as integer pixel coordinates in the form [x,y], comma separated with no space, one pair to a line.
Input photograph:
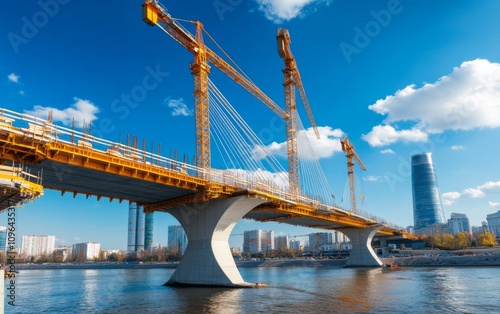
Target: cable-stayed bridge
[207,202]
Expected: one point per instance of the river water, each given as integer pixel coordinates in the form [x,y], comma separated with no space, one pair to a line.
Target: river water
[291,290]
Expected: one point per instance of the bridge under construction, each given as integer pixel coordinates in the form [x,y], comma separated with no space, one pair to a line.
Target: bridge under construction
[208,202]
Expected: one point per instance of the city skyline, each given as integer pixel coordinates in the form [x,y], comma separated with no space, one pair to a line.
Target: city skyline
[396,89]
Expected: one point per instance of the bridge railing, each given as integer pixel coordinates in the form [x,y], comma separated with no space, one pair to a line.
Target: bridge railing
[41,130]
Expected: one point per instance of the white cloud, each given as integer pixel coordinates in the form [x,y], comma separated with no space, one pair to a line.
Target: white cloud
[387,151]
[14,77]
[450,197]
[490,187]
[82,111]
[265,178]
[324,147]
[383,135]
[473,193]
[457,147]
[375,178]
[179,108]
[465,99]
[494,205]
[279,11]
[480,191]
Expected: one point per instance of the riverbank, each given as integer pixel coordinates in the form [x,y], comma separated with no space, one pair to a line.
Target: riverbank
[95,266]
[476,257]
[405,258]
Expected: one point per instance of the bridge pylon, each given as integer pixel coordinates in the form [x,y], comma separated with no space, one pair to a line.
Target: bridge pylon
[362,254]
[208,260]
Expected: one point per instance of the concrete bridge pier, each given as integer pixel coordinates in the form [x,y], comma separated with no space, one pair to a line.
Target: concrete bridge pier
[362,254]
[208,260]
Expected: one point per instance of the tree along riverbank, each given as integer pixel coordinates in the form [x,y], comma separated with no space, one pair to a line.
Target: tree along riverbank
[436,257]
[409,258]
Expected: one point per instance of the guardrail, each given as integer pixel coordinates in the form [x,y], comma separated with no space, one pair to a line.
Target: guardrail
[44,131]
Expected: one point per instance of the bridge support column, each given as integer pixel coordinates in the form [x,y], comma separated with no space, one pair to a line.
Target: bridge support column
[208,260]
[362,254]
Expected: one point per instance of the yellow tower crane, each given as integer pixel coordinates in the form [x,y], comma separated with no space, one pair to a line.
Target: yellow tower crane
[348,149]
[155,14]
[292,80]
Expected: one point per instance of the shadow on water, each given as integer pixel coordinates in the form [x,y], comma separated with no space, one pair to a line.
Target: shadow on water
[204,300]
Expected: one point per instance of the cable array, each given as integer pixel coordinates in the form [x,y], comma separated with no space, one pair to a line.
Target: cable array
[313,180]
[241,151]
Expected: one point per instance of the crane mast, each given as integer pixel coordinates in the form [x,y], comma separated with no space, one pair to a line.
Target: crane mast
[292,80]
[348,149]
[155,14]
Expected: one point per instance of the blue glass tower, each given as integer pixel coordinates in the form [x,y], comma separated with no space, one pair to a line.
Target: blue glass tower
[140,229]
[148,231]
[427,206]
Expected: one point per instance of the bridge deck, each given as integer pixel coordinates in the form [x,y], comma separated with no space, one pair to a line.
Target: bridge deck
[130,174]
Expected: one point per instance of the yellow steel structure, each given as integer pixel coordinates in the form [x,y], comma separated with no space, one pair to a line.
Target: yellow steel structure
[154,14]
[37,148]
[17,187]
[292,80]
[348,149]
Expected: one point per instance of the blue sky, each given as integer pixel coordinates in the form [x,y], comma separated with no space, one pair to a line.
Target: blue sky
[399,77]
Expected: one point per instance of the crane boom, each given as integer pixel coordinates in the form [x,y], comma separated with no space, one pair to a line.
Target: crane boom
[153,13]
[348,149]
[292,80]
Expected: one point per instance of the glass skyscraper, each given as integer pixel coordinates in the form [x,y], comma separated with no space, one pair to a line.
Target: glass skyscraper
[427,206]
[177,239]
[140,229]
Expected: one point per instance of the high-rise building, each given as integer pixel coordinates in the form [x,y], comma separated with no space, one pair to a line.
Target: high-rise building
[3,238]
[494,223]
[87,250]
[295,244]
[140,229]
[258,241]
[476,231]
[427,206]
[177,239]
[148,231]
[36,245]
[458,223]
[281,243]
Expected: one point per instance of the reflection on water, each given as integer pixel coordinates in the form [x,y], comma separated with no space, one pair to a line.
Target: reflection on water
[291,290]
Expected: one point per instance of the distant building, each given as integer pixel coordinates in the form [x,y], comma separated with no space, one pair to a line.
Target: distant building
[140,229]
[427,205]
[494,223]
[148,231]
[339,237]
[410,229]
[432,230]
[458,223]
[87,250]
[481,229]
[325,241]
[177,239]
[258,241]
[65,251]
[3,238]
[295,244]
[37,245]
[281,243]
